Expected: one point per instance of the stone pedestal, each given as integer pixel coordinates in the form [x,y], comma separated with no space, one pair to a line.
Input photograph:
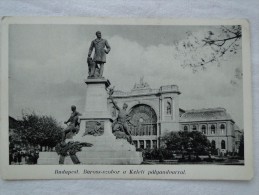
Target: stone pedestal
[96,99]
[95,128]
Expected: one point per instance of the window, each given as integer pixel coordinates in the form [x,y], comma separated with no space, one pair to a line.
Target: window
[213,129]
[154,130]
[223,144]
[141,144]
[203,129]
[168,108]
[222,127]
[135,143]
[149,130]
[213,144]
[140,130]
[185,128]
[194,128]
[148,144]
[154,143]
[144,130]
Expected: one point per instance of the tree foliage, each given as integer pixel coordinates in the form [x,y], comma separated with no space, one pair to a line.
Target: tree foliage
[241,147]
[193,142]
[40,130]
[199,50]
[15,138]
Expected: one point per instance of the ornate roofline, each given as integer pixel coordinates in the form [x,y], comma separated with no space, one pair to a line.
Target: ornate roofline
[187,116]
[143,88]
[218,109]
[148,91]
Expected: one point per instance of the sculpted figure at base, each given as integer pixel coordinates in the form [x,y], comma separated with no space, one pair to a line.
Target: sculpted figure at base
[73,122]
[119,126]
[101,47]
[67,145]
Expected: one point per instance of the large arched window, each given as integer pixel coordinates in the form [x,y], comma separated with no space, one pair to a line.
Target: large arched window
[223,144]
[213,129]
[213,144]
[185,128]
[222,128]
[203,129]
[194,128]
[143,120]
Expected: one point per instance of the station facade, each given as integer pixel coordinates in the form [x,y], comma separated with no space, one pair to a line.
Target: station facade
[154,112]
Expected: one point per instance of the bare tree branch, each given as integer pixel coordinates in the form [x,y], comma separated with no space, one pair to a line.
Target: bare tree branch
[199,51]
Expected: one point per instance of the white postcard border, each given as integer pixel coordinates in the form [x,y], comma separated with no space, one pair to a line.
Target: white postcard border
[208,172]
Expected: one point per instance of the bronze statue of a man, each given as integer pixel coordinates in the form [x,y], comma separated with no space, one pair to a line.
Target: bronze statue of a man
[73,126]
[67,146]
[101,47]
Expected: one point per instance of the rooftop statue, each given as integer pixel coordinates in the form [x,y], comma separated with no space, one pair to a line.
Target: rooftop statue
[141,84]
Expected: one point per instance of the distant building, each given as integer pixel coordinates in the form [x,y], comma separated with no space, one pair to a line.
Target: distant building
[154,112]
[215,123]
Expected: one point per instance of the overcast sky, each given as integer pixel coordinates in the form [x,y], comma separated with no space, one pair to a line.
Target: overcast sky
[47,67]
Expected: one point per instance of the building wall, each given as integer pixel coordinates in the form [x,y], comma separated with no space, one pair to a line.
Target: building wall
[165,103]
[169,120]
[148,141]
[227,135]
[151,101]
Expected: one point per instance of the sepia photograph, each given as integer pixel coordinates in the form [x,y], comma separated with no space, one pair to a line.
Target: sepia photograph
[128,93]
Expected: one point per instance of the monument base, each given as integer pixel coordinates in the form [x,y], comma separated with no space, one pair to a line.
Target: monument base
[106,149]
[93,157]
[96,128]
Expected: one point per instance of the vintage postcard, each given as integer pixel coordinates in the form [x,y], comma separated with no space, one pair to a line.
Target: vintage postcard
[125,98]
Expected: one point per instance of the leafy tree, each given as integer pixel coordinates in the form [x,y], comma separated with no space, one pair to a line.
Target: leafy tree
[193,142]
[15,135]
[15,138]
[40,130]
[201,49]
[241,147]
[199,143]
[173,141]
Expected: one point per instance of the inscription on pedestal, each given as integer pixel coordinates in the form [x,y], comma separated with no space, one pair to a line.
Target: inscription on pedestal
[95,128]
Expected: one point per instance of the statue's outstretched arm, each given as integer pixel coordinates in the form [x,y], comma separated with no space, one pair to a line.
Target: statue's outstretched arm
[114,103]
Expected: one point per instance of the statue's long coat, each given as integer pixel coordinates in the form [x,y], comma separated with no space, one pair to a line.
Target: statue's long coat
[99,46]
